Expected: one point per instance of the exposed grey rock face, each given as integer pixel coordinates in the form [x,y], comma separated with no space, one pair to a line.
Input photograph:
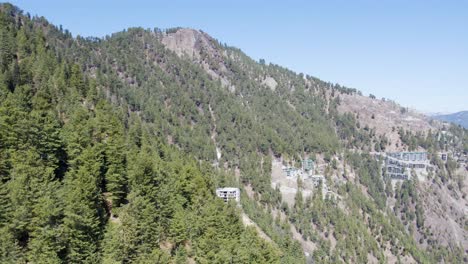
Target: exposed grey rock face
[187,41]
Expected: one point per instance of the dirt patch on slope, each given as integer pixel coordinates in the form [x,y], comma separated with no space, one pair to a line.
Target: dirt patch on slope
[385,117]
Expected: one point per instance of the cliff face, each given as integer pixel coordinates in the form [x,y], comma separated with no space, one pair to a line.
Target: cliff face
[189,42]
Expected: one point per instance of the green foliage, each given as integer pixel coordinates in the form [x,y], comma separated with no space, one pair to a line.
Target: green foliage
[105,155]
[84,214]
[370,176]
[84,181]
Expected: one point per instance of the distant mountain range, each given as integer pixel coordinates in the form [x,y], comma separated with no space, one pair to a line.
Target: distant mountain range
[459,118]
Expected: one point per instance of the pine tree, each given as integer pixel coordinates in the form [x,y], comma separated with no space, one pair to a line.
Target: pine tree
[76,134]
[24,48]
[178,229]
[7,44]
[10,251]
[110,133]
[77,80]
[84,212]
[46,241]
[138,232]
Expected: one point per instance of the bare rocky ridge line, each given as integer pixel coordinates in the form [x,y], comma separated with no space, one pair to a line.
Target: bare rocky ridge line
[384,116]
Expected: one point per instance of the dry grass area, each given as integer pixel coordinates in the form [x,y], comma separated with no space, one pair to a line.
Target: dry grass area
[385,117]
[445,214]
[288,185]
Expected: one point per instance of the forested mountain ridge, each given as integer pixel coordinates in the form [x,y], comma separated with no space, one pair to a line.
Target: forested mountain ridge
[85,182]
[460,118]
[96,128]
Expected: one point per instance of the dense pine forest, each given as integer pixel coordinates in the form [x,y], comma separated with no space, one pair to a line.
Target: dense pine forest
[85,182]
[111,150]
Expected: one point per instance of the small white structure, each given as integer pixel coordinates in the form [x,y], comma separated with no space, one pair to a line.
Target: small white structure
[228,193]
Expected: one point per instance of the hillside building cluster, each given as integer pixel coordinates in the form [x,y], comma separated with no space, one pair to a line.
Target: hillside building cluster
[306,174]
[399,164]
[307,167]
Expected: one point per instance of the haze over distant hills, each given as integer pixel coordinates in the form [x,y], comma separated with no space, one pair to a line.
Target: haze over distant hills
[459,118]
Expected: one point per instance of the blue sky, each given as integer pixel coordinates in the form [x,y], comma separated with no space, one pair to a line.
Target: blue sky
[414,52]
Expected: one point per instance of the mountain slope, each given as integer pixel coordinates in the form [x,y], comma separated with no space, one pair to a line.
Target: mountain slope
[147,123]
[83,181]
[259,112]
[459,118]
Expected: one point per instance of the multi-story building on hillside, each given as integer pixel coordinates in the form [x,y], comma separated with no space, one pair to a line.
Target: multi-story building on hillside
[398,164]
[228,194]
[408,156]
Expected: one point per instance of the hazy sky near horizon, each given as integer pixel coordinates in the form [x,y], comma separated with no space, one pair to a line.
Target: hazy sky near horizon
[413,52]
